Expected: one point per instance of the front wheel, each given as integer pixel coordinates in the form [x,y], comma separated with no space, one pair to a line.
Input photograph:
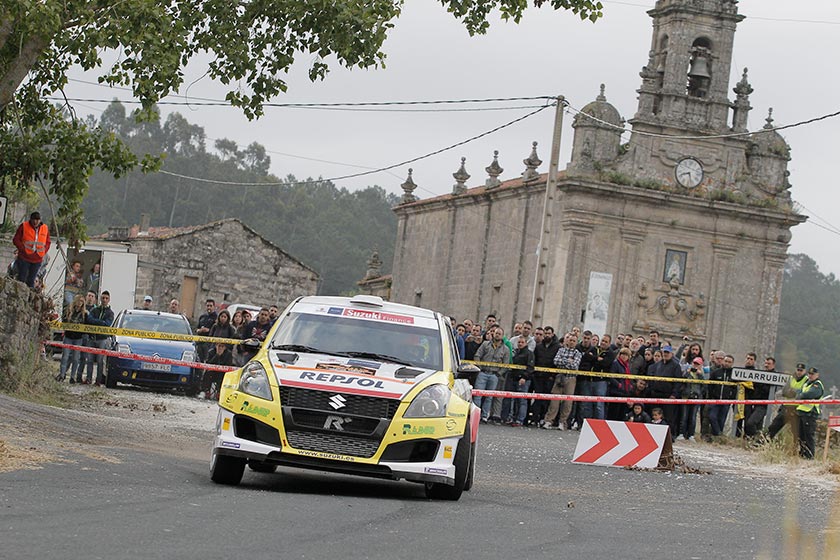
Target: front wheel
[471,473]
[226,470]
[440,491]
[110,378]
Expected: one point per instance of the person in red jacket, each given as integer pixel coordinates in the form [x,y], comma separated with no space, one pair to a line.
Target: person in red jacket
[32,240]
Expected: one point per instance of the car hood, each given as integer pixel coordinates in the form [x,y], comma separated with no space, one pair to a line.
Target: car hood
[348,375]
[164,348]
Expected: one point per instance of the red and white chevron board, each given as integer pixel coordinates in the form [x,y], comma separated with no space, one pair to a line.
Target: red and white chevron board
[620,444]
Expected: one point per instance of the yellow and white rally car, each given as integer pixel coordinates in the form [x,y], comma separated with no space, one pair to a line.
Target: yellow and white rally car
[352,385]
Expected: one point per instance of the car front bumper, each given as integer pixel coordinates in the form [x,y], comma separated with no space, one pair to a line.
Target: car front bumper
[268,445]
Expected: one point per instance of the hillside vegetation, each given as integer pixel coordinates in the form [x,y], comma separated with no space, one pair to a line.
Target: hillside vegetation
[329,228]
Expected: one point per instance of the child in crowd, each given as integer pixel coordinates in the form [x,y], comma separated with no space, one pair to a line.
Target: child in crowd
[658,416]
[638,414]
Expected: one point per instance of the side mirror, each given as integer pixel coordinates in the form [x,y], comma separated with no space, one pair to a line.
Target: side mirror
[465,371]
[252,344]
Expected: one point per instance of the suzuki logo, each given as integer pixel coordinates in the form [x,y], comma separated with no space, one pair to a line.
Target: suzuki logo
[337,402]
[336,422]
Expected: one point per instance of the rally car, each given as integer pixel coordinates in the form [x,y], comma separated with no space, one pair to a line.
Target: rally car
[352,385]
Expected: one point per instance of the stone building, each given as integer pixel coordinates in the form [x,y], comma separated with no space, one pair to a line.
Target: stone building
[375,283]
[683,229]
[224,260]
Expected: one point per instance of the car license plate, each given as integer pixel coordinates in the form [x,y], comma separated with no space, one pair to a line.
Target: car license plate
[152,366]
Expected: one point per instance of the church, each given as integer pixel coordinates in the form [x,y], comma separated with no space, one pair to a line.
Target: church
[682,227]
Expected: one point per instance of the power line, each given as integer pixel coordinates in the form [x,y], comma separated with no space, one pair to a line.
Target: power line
[364,173]
[707,136]
[785,20]
[213,102]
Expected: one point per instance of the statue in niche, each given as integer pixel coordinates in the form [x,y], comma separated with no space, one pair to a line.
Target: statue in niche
[674,266]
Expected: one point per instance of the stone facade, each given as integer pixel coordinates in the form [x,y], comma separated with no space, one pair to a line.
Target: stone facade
[630,237]
[224,260]
[21,329]
[375,283]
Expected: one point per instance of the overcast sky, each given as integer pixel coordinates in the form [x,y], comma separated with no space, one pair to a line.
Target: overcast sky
[431,56]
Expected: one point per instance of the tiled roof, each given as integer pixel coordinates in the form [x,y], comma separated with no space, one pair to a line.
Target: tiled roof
[478,191]
[163,232]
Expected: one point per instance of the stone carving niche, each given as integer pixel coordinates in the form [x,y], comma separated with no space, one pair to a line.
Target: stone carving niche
[671,310]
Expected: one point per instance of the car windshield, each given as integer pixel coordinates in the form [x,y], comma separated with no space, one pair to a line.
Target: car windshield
[411,345]
[157,323]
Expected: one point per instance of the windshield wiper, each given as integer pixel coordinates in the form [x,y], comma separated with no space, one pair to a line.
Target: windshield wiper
[297,348]
[307,349]
[375,356]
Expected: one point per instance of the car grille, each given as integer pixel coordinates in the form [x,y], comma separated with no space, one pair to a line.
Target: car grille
[354,424]
[341,444]
[357,405]
[307,416]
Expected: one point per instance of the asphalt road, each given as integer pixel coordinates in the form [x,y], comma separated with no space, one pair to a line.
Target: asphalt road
[110,496]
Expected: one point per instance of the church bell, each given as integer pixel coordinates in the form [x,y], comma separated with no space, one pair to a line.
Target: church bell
[699,68]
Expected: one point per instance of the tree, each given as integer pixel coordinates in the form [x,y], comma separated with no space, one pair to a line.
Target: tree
[252,45]
[809,317]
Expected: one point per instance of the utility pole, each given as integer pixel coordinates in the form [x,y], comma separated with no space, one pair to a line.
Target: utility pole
[543,253]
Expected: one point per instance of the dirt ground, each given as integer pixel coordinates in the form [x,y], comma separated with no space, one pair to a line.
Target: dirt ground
[32,434]
[100,420]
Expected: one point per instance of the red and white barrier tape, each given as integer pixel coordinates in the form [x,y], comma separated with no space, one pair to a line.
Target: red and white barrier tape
[140,357]
[647,400]
[475,392]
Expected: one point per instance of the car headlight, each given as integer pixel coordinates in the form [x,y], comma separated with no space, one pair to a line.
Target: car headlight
[254,381]
[188,356]
[123,348]
[432,402]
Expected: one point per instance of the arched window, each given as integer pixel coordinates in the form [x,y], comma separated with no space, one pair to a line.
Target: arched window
[700,67]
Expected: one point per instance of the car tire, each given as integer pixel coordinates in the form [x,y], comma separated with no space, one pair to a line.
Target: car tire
[110,379]
[471,471]
[440,491]
[260,467]
[226,470]
[191,390]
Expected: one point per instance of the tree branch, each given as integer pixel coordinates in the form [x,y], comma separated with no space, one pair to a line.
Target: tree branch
[20,67]
[5,29]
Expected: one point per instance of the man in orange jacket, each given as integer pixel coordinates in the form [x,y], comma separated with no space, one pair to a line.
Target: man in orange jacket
[32,240]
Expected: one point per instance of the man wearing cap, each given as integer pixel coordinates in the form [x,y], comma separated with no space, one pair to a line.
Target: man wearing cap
[667,367]
[32,240]
[809,413]
[786,413]
[147,304]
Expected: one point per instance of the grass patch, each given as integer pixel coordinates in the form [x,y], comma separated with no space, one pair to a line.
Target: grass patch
[29,376]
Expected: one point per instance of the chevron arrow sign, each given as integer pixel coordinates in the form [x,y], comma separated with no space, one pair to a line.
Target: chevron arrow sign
[620,444]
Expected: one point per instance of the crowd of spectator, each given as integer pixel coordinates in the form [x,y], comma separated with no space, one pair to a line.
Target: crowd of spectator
[653,367]
[647,366]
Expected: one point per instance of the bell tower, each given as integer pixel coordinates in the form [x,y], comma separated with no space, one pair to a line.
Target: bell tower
[686,80]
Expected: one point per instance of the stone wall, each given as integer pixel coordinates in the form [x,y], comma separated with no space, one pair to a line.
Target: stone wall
[7,251]
[20,323]
[229,262]
[473,254]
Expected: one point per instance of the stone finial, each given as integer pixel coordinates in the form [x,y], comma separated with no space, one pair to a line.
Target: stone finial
[531,163]
[601,96]
[461,177]
[493,170]
[374,265]
[408,188]
[743,88]
[769,120]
